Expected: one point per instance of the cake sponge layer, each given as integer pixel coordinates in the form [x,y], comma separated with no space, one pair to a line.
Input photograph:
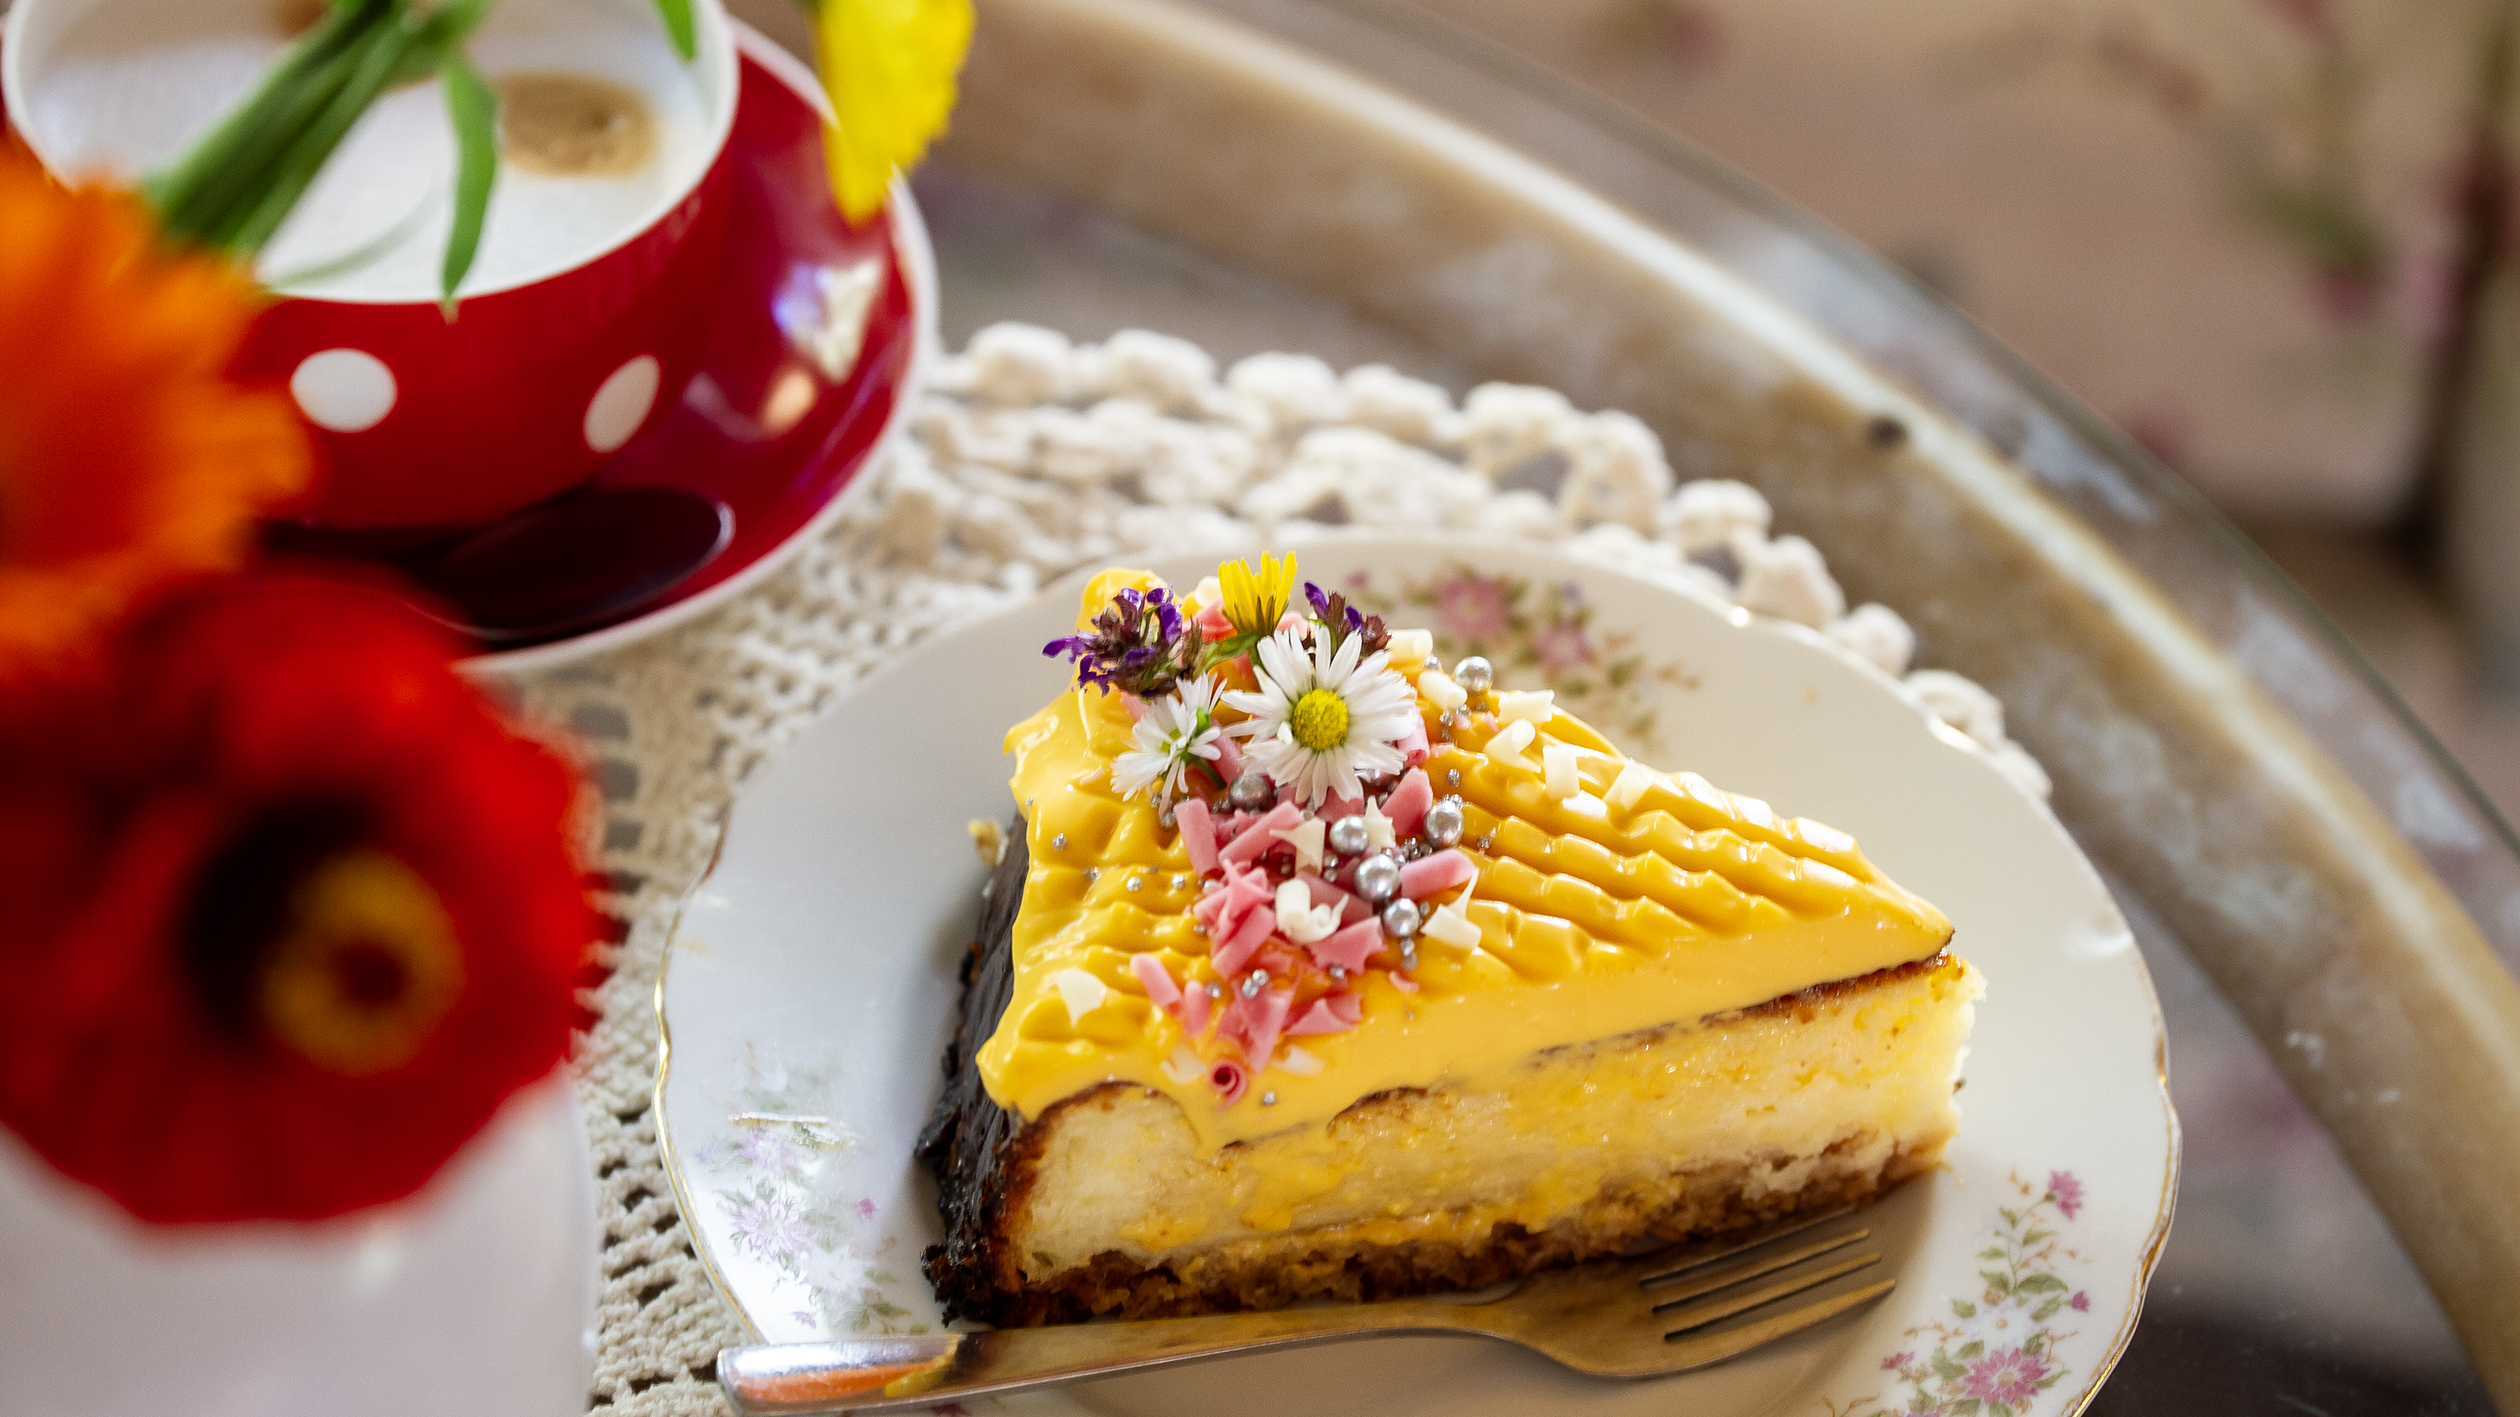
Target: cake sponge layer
[1824,1096]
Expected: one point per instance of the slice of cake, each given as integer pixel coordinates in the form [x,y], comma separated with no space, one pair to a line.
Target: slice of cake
[1311,969]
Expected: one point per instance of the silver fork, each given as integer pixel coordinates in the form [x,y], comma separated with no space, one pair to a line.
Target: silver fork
[1619,1318]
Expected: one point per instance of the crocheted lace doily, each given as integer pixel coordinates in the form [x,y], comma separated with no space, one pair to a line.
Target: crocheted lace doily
[1029,457]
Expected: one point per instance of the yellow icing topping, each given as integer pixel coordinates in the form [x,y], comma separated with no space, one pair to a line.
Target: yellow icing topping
[1595,919]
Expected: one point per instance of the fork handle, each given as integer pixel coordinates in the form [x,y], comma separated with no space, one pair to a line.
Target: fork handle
[886,1374]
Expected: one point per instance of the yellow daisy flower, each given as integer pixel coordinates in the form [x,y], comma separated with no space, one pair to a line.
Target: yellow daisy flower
[1254,603]
[890,67]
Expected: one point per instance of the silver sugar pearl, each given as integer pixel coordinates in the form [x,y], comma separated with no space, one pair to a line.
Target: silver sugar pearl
[1347,836]
[1215,990]
[1444,822]
[1417,849]
[1338,974]
[1378,878]
[1164,817]
[1452,778]
[1136,883]
[1253,792]
[1408,955]
[1058,842]
[1400,919]
[1092,874]
[1180,881]
[1210,884]
[1475,674]
[1254,982]
[1268,1099]
[1486,843]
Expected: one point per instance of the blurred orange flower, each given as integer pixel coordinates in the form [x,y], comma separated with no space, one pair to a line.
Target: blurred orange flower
[127,457]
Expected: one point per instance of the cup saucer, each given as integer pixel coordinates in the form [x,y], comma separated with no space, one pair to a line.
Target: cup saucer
[820,331]
[819,335]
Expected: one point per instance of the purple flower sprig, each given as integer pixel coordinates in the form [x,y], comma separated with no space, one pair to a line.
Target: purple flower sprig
[1139,644]
[1339,620]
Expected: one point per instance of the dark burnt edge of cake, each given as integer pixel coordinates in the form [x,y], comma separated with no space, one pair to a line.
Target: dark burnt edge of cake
[969,1141]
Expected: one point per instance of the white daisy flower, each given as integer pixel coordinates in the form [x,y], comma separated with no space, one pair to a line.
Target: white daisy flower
[1176,728]
[1321,721]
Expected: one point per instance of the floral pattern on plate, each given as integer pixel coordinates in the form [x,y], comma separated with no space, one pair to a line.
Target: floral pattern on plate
[1543,630]
[776,1176]
[1999,1350]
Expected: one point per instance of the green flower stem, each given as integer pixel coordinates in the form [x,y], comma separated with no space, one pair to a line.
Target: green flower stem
[474,110]
[209,201]
[177,186]
[307,153]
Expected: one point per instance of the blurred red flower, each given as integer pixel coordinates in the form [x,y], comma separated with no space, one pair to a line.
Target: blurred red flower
[294,909]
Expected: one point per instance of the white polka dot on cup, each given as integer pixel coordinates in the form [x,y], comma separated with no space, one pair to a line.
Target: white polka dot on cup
[343,390]
[622,404]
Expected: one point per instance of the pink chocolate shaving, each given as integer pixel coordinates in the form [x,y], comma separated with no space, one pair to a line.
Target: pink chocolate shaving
[1212,622]
[1193,1011]
[1254,1024]
[1440,872]
[1159,983]
[1348,948]
[1229,763]
[1403,983]
[1408,803]
[1412,745]
[1198,833]
[1347,1008]
[1229,1080]
[1230,956]
[1256,839]
[1246,890]
[1322,1017]
[1337,807]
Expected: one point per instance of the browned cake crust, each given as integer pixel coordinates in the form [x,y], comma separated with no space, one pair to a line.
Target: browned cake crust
[985,1161]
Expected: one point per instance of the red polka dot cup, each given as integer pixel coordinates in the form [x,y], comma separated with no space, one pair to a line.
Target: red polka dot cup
[587,309]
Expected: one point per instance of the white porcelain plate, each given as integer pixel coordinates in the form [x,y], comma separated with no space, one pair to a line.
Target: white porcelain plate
[812,985]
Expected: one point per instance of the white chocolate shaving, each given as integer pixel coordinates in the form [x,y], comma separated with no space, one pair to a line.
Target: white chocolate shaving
[1438,688]
[1411,646]
[1299,919]
[1080,991]
[1299,1062]
[1183,1067]
[1527,705]
[1306,838]
[1516,737]
[1558,776]
[1634,778]
[1452,925]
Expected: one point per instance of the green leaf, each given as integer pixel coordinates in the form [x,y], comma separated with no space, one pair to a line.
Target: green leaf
[679,26]
[2042,1284]
[1964,1308]
[1947,1370]
[294,81]
[2047,1310]
[1971,1349]
[1997,1282]
[1965,1407]
[474,110]
[2036,1236]
[2037,1343]
[313,147]
[1991,1252]
[2010,1217]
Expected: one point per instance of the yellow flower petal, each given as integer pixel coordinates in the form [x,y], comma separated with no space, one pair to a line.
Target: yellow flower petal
[889,66]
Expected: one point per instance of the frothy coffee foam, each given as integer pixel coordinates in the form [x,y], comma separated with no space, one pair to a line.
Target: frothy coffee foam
[602,123]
